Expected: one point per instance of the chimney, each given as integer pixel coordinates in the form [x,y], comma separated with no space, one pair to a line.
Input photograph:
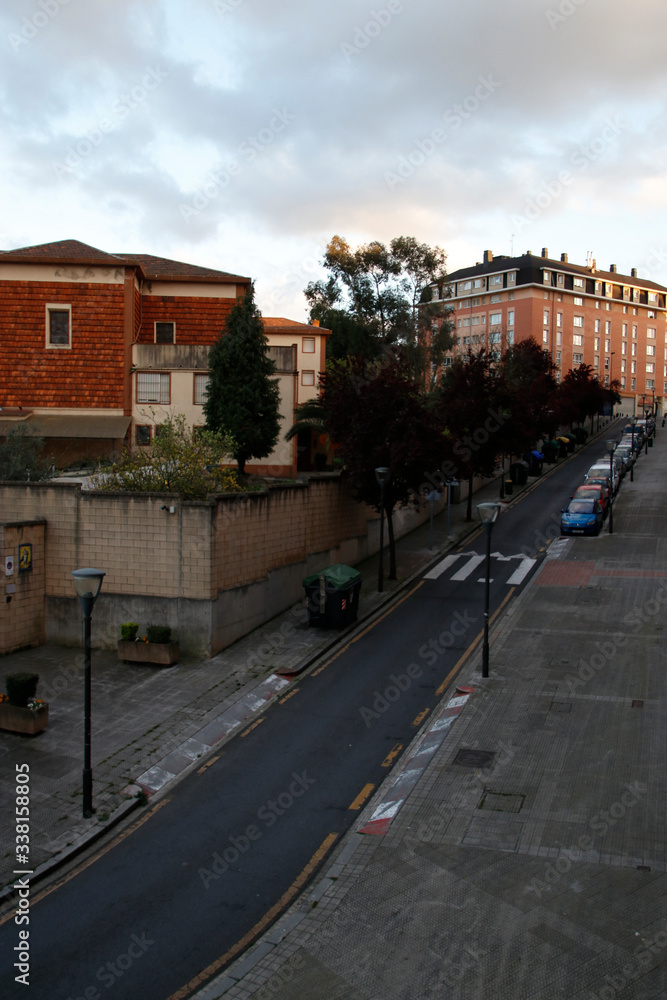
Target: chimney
[563,257]
[545,252]
[612,268]
[528,253]
[315,322]
[633,272]
[488,256]
[594,265]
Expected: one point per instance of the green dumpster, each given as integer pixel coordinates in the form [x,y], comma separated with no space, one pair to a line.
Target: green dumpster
[332,596]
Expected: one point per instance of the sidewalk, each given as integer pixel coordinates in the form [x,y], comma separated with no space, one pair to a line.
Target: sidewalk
[150,726]
[533,864]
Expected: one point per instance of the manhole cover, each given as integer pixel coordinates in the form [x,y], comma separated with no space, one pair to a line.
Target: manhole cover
[637,703]
[561,706]
[507,802]
[474,758]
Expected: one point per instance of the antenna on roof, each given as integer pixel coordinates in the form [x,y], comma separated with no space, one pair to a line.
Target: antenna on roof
[512,245]
[589,258]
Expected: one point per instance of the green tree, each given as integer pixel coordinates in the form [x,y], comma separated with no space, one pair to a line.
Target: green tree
[242,399]
[21,457]
[581,395]
[529,389]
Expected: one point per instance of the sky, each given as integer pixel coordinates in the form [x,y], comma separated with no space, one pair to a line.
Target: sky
[243,134]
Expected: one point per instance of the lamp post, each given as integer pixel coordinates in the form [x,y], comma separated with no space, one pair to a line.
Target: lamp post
[488,515]
[611,380]
[88,583]
[611,448]
[632,464]
[383,475]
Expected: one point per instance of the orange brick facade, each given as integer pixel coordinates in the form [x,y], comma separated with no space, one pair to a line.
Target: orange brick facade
[197,320]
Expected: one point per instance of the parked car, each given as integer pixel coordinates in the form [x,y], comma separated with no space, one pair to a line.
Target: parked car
[604,482]
[581,517]
[593,490]
[602,468]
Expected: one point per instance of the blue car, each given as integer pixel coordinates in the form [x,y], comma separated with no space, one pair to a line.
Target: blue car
[582,517]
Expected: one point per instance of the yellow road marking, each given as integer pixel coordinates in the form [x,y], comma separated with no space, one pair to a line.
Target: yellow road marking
[256,723]
[86,864]
[472,647]
[420,718]
[391,756]
[361,797]
[208,764]
[281,701]
[366,630]
[268,917]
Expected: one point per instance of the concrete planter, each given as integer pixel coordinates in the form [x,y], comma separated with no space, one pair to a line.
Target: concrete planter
[23,720]
[164,654]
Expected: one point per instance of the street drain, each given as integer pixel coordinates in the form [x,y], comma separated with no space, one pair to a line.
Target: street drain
[637,703]
[474,758]
[643,868]
[561,706]
[508,802]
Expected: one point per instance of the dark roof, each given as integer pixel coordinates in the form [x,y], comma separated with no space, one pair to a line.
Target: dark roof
[278,324]
[63,252]
[531,264]
[158,268]
[75,252]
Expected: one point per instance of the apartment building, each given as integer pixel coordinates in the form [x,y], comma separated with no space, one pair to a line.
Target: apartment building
[98,348]
[580,314]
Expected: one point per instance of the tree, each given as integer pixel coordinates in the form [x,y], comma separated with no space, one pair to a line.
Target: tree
[468,405]
[21,457]
[242,399]
[373,295]
[377,415]
[529,389]
[176,462]
[581,395]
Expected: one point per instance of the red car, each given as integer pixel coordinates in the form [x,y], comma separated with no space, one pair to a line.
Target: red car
[593,491]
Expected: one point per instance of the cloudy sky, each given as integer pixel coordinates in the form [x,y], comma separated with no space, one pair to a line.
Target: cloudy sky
[243,134]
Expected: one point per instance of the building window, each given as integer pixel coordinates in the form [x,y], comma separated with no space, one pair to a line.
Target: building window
[650,333]
[511,278]
[597,325]
[633,383]
[58,326]
[153,387]
[598,288]
[596,344]
[495,319]
[557,357]
[577,359]
[634,350]
[650,350]
[559,319]
[622,381]
[578,321]
[307,378]
[578,339]
[633,367]
[510,337]
[478,283]
[624,348]
[545,319]
[510,317]
[578,301]
[653,298]
[607,327]
[495,338]
[606,364]
[607,306]
[650,314]
[623,364]
[625,329]
[545,336]
[165,333]
[200,389]
[650,383]
[608,288]
[578,283]
[143,434]
[596,361]
[475,302]
[650,368]
[625,309]
[496,279]
[547,277]
[559,337]
[607,346]
[496,298]
[308,345]
[634,330]
[465,286]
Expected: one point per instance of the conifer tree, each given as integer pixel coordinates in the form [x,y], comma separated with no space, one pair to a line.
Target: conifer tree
[242,399]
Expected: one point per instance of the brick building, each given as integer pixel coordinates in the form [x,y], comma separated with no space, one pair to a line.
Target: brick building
[97,348]
[613,322]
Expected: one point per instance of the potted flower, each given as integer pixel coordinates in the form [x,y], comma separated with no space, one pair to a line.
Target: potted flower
[21,711]
[156,646]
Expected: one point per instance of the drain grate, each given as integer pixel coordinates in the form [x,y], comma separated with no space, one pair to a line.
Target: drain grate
[507,802]
[637,703]
[474,758]
[561,706]
[643,868]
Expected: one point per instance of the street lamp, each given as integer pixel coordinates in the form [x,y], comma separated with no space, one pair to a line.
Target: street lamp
[611,448]
[611,380]
[488,515]
[383,475]
[88,583]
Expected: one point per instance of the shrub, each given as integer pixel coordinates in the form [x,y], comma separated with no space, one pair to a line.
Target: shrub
[21,688]
[158,633]
[128,631]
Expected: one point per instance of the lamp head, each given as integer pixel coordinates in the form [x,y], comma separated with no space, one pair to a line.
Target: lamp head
[488,512]
[88,583]
[383,475]
[610,446]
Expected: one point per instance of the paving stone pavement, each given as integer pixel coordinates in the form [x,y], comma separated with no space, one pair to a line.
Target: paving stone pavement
[539,873]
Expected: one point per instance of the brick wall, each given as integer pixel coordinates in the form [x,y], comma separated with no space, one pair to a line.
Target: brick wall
[90,373]
[198,320]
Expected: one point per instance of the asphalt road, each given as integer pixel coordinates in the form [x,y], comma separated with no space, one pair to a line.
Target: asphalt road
[144,917]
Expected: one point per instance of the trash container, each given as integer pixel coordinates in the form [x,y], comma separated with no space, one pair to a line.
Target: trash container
[454,488]
[519,473]
[332,596]
[509,485]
